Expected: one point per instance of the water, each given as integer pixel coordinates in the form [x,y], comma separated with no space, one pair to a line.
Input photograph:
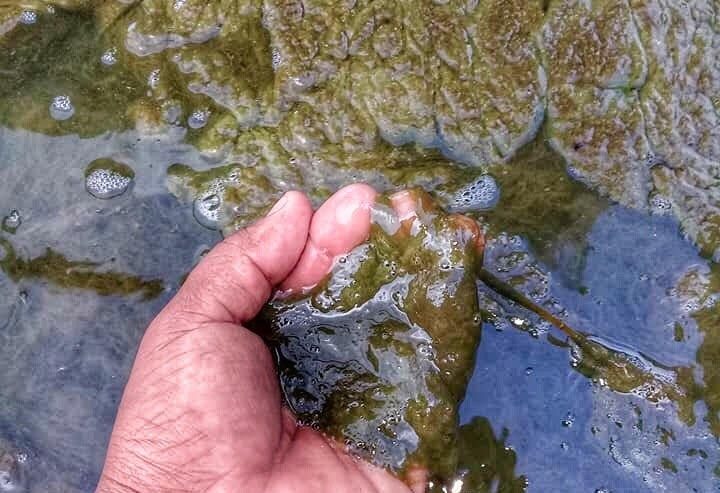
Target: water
[631,405]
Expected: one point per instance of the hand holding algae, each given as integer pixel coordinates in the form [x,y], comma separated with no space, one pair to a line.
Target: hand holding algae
[378,356]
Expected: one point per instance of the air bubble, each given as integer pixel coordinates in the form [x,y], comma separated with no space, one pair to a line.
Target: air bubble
[198,119]
[660,204]
[276,59]
[529,370]
[12,221]
[212,203]
[482,194]
[207,207]
[61,108]
[28,17]
[109,58]
[106,179]
[154,78]
[425,350]
[569,420]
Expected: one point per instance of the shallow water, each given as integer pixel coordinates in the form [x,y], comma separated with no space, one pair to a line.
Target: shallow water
[629,403]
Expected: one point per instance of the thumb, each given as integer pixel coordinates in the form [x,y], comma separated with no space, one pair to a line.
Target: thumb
[234,280]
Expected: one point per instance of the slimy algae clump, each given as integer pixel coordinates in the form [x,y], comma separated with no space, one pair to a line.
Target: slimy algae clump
[379,355]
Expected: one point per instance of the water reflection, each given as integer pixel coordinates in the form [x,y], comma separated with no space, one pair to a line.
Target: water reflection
[642,398]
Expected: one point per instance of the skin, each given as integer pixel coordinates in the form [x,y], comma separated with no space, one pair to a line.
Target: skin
[202,408]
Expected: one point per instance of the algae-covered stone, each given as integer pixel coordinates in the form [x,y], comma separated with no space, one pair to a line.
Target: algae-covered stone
[681,104]
[596,63]
[634,104]
[379,355]
[491,89]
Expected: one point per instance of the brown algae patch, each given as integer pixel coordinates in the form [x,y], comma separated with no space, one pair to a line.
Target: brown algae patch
[54,268]
[379,355]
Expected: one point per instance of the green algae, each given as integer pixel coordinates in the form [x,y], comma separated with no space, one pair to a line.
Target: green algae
[54,268]
[539,201]
[488,462]
[379,355]
[620,371]
[708,354]
[668,465]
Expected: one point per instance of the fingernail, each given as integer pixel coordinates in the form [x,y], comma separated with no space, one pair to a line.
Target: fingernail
[279,205]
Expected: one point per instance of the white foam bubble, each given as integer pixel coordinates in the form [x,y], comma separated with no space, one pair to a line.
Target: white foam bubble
[482,194]
[106,184]
[276,59]
[198,119]
[28,17]
[109,58]
[660,204]
[207,208]
[61,108]
[154,78]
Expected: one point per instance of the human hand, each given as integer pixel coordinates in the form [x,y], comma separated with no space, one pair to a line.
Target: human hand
[202,409]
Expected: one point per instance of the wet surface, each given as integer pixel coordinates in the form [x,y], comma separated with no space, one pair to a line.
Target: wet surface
[379,355]
[214,120]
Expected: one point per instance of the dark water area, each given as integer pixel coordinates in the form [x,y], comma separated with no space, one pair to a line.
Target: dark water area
[615,241]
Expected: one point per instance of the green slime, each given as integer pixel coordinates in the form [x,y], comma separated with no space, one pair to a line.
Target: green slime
[379,355]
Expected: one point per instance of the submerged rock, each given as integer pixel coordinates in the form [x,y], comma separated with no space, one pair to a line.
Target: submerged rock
[379,355]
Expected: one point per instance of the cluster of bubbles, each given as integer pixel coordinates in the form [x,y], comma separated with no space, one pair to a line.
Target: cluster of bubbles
[154,78]
[481,194]
[109,58]
[28,17]
[106,184]
[61,108]
[569,420]
[276,59]
[207,206]
[660,205]
[198,119]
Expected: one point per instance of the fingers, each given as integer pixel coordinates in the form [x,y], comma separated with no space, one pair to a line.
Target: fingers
[341,224]
[471,229]
[417,479]
[233,282]
[412,204]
